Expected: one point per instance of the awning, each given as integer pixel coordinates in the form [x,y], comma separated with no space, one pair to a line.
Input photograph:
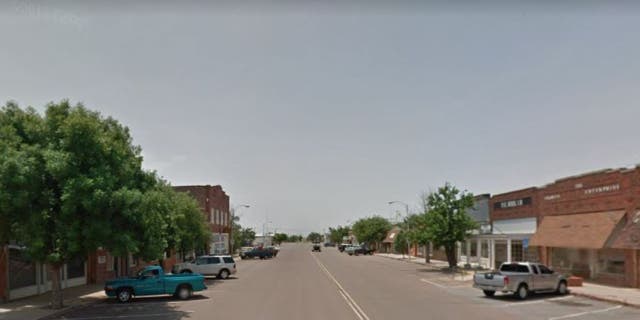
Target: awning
[629,237]
[582,231]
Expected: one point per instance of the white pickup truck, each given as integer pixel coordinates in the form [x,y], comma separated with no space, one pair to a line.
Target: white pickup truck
[219,266]
[520,278]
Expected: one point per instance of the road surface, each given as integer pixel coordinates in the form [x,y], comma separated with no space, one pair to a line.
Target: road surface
[299,284]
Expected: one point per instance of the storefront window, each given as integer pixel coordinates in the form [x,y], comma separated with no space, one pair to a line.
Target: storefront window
[517,254]
[611,261]
[571,261]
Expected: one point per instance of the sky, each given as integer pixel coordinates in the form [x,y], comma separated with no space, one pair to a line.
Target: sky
[318,113]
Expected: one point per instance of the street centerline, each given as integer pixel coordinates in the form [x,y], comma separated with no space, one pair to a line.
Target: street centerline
[345,295]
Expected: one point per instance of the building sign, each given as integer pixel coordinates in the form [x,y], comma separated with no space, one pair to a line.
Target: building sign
[512,203]
[609,188]
[551,197]
[525,243]
[102,259]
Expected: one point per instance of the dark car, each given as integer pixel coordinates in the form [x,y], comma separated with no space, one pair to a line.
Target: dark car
[329,244]
[342,246]
[316,247]
[257,252]
[274,250]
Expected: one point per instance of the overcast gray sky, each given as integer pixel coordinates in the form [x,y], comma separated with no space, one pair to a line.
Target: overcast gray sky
[317,114]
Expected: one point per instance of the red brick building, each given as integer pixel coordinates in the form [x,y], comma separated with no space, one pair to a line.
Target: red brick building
[589,226]
[21,277]
[214,203]
[514,216]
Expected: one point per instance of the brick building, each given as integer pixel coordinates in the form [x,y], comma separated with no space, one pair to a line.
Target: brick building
[214,203]
[589,226]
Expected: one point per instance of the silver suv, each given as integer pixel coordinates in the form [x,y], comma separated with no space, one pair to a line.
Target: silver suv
[219,266]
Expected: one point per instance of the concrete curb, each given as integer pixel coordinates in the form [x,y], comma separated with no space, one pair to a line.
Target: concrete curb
[605,299]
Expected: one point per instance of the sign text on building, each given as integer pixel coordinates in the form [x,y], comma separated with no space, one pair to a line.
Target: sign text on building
[609,188]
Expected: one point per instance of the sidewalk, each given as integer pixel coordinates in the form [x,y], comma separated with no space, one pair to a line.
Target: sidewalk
[36,307]
[461,275]
[625,296]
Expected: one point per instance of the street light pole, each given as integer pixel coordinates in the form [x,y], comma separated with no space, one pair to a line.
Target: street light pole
[406,207]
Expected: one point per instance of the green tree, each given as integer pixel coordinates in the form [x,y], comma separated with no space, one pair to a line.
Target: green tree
[400,242]
[371,230]
[71,181]
[415,227]
[314,237]
[447,221]
[337,234]
[279,238]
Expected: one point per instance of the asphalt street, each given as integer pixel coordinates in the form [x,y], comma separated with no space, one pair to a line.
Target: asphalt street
[299,284]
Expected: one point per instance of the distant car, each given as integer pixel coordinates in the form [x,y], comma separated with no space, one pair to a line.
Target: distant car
[219,266]
[329,244]
[343,246]
[316,247]
[153,281]
[257,252]
[358,250]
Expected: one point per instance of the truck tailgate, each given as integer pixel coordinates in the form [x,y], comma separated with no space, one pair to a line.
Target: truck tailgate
[489,279]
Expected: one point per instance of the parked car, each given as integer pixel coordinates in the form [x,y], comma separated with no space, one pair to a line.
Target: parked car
[153,281]
[329,244]
[343,246]
[358,250]
[274,250]
[316,247]
[521,279]
[257,252]
[219,266]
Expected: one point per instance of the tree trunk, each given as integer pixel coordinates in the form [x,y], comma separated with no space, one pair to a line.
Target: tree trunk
[56,287]
[452,259]
[427,253]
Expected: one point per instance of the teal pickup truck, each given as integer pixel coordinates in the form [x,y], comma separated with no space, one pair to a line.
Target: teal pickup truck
[153,281]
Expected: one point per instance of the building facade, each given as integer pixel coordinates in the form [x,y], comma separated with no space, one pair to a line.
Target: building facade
[214,203]
[590,226]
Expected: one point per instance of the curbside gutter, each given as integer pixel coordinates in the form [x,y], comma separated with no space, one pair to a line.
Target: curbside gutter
[605,299]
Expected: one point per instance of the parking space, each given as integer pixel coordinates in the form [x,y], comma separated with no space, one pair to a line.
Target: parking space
[549,306]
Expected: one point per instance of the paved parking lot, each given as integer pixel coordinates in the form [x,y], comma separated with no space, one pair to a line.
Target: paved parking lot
[330,285]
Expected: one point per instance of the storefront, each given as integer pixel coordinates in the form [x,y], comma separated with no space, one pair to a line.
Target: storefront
[579,245]
[587,226]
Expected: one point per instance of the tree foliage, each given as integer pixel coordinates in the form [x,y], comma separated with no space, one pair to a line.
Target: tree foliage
[314,237]
[371,230]
[400,242]
[241,236]
[280,238]
[71,181]
[337,234]
[446,220]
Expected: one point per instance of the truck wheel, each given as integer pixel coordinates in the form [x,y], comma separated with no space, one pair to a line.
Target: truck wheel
[183,292]
[224,274]
[489,293]
[562,288]
[124,295]
[523,292]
